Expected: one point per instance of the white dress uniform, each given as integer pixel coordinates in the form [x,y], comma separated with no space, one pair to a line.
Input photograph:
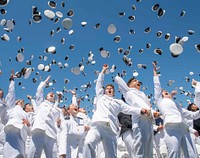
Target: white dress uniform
[105,123]
[31,116]
[16,132]
[159,142]
[197,94]
[4,106]
[176,130]
[142,126]
[75,133]
[44,130]
[87,122]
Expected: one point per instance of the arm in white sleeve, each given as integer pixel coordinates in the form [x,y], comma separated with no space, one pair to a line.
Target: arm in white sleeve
[123,88]
[35,105]
[99,85]
[10,97]
[125,108]
[74,100]
[40,93]
[190,114]
[197,94]
[157,88]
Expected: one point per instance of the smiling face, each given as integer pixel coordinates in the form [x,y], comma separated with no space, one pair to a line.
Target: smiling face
[50,97]
[134,83]
[109,90]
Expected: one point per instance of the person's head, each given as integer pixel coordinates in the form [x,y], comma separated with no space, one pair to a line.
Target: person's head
[20,103]
[110,90]
[65,111]
[82,110]
[166,94]
[28,107]
[73,110]
[134,83]
[1,93]
[50,97]
[192,107]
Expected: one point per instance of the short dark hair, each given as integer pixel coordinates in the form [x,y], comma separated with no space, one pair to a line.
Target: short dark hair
[111,85]
[130,80]
[26,106]
[190,106]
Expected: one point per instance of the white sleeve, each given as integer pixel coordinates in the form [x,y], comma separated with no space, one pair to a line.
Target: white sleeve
[125,108]
[190,114]
[197,94]
[35,105]
[99,85]
[10,97]
[74,100]
[123,88]
[40,93]
[157,88]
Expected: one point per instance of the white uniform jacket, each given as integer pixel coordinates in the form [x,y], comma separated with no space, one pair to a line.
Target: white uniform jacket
[46,115]
[107,108]
[172,112]
[133,97]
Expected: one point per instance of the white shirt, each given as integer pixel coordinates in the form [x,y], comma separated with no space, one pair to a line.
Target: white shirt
[107,108]
[46,115]
[171,112]
[75,133]
[15,118]
[9,102]
[197,94]
[133,96]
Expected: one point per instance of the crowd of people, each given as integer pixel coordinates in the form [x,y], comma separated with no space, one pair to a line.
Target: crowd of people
[41,128]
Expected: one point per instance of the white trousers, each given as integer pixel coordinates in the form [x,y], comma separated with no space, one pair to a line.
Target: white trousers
[14,145]
[177,137]
[127,138]
[100,131]
[143,138]
[41,141]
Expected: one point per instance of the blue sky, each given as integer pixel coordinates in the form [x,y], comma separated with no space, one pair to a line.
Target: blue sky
[36,38]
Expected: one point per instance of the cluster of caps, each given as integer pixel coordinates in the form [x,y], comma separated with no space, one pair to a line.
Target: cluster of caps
[25,72]
[159,10]
[8,27]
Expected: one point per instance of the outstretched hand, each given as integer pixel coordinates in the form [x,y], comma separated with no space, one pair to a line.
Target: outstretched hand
[194,82]
[29,97]
[105,67]
[145,112]
[174,92]
[155,69]
[73,92]
[47,79]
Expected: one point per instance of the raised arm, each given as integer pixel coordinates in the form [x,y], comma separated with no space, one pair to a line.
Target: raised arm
[74,99]
[196,92]
[123,88]
[33,102]
[40,90]
[190,114]
[157,85]
[99,85]
[10,97]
